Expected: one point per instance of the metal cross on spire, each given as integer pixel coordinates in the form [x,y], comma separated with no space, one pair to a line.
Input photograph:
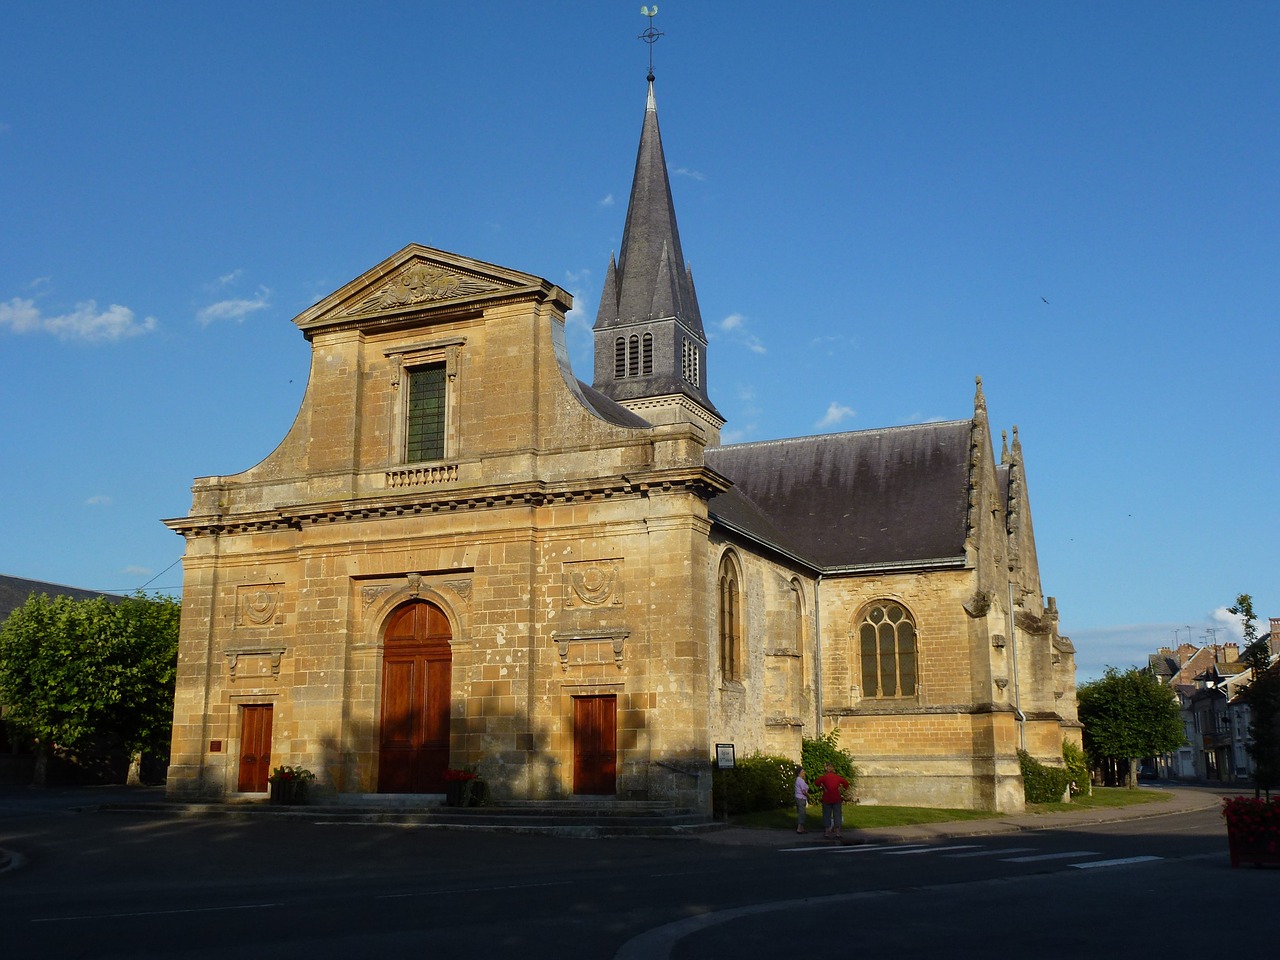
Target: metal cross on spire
[651,35]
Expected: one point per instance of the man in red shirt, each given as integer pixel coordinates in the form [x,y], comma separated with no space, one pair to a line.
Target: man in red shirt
[833,786]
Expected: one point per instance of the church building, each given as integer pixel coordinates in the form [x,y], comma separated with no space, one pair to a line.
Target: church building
[462,556]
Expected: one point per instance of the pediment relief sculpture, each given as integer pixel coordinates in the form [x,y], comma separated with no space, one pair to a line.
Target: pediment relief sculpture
[420,282]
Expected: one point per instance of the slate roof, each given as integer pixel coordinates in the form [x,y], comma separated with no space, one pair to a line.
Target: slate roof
[14,592]
[650,278]
[891,498]
[609,409]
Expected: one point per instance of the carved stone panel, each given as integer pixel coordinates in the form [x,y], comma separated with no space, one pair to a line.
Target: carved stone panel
[591,647]
[254,664]
[259,605]
[420,283]
[593,583]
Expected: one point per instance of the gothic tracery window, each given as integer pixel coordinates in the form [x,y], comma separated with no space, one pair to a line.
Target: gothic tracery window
[887,644]
[730,620]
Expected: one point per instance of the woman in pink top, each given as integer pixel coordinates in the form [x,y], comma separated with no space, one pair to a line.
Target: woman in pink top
[802,800]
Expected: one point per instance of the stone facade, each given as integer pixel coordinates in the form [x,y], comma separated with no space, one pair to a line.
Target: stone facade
[575,592]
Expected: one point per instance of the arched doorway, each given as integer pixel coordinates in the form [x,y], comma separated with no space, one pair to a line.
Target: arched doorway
[416,674]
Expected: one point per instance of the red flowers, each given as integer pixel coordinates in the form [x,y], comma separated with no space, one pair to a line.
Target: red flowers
[1254,821]
[455,775]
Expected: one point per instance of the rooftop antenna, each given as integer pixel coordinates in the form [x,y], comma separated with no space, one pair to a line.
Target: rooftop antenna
[651,35]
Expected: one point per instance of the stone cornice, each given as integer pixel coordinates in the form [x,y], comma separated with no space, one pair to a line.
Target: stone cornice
[701,482]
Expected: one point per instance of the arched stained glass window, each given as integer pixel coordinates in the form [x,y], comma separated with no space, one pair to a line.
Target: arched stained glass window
[730,620]
[887,645]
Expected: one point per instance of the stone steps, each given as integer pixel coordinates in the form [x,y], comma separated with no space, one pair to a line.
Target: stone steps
[568,818]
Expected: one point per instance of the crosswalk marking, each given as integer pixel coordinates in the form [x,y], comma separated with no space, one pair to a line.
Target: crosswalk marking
[973,850]
[990,853]
[887,849]
[861,848]
[1113,863]
[1051,856]
[907,853]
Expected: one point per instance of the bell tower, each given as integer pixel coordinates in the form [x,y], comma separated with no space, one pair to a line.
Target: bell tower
[650,348]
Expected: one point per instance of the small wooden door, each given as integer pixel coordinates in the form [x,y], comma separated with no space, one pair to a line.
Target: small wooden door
[417,674]
[595,745]
[255,748]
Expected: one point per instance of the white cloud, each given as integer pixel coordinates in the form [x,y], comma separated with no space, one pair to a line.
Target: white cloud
[137,571]
[1129,645]
[21,315]
[691,174]
[579,320]
[229,278]
[735,325]
[606,201]
[836,413]
[98,500]
[85,322]
[234,309]
[1230,626]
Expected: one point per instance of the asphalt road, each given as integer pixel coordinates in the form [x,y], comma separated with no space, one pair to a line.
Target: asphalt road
[111,884]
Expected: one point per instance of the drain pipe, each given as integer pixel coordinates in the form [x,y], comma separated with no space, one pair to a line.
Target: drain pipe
[817,655]
[1017,690]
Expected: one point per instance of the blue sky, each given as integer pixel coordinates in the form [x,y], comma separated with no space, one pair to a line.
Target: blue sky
[1076,201]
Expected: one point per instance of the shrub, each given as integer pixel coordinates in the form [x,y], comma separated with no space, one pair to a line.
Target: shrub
[1077,767]
[816,753]
[758,782]
[762,782]
[1041,784]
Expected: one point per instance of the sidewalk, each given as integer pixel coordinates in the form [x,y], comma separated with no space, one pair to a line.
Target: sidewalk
[1183,799]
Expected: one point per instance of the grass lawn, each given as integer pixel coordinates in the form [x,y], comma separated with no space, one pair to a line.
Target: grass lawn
[858,816]
[1103,797]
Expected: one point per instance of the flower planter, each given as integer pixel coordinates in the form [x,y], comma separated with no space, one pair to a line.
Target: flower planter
[1258,850]
[1253,830]
[290,792]
[471,792]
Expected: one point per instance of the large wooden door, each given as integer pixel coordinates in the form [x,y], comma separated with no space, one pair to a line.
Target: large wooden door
[255,748]
[417,674]
[595,745]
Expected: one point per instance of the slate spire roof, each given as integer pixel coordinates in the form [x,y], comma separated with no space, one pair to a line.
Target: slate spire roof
[651,349]
[650,278]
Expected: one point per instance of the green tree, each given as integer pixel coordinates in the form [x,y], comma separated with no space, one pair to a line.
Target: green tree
[1257,652]
[1263,698]
[1128,716]
[73,671]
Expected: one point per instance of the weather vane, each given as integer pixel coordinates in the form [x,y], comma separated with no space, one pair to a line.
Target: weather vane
[651,35]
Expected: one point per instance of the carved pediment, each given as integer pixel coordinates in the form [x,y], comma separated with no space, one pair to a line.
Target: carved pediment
[420,282]
[418,278]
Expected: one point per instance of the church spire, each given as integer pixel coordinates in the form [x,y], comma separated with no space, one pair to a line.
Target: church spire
[651,254]
[650,345]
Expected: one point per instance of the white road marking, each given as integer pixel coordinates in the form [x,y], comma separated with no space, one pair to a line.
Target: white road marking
[1051,856]
[1113,863]
[991,853]
[832,849]
[907,853]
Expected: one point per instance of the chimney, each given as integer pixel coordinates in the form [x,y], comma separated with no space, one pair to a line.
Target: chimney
[1230,652]
[1164,652]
